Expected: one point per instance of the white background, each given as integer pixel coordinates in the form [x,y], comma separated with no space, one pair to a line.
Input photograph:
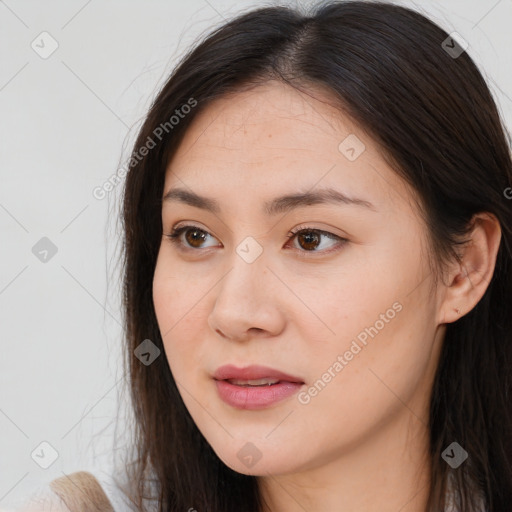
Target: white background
[64,122]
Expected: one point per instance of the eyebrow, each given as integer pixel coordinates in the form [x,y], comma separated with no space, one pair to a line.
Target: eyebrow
[277,205]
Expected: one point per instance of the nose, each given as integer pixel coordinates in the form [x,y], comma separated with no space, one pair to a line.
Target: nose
[247,304]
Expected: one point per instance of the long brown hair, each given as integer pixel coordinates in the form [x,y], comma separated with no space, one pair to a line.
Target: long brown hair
[433,115]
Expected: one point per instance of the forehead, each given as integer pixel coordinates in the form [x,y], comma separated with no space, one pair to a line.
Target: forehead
[274,138]
[272,115]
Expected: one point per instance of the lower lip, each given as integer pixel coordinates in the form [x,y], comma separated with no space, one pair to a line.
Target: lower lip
[255,397]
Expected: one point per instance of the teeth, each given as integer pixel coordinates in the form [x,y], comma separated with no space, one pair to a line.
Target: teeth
[255,382]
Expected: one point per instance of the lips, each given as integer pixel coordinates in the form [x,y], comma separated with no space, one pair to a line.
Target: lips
[253,373]
[254,387]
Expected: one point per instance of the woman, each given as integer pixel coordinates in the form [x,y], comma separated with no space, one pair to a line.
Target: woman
[411,284]
[371,374]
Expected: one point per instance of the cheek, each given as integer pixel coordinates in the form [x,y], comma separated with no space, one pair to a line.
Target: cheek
[381,375]
[180,308]
[176,294]
[378,319]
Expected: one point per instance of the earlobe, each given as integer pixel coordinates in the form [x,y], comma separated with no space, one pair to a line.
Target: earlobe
[470,277]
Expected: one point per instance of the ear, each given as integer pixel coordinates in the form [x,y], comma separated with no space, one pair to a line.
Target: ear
[468,279]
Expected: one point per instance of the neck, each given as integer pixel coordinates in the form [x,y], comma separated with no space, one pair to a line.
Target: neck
[387,472]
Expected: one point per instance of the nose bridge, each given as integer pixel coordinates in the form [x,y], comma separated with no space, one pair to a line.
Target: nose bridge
[248,268]
[242,301]
[249,250]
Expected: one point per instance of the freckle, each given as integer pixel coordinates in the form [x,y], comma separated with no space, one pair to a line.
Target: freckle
[269,135]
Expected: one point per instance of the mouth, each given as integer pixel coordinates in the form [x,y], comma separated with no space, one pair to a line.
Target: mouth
[253,375]
[254,387]
[255,382]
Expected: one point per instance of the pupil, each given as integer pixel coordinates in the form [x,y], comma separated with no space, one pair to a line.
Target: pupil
[195,238]
[309,235]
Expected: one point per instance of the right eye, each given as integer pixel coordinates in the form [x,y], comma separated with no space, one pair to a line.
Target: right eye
[194,236]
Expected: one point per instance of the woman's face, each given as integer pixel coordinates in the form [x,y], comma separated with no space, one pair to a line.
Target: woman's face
[343,308]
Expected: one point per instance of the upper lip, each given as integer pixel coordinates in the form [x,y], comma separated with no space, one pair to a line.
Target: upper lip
[252,372]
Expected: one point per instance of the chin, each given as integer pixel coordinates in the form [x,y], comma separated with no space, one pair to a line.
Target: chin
[248,459]
[261,468]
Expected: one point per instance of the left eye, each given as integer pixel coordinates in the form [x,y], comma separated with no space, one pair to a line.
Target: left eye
[309,239]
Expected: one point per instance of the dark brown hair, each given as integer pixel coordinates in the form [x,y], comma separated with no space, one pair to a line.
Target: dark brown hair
[435,119]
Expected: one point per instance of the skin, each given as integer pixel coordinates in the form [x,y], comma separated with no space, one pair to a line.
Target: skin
[361,442]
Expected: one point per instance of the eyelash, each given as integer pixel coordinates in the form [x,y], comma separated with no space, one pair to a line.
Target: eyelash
[176,232]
